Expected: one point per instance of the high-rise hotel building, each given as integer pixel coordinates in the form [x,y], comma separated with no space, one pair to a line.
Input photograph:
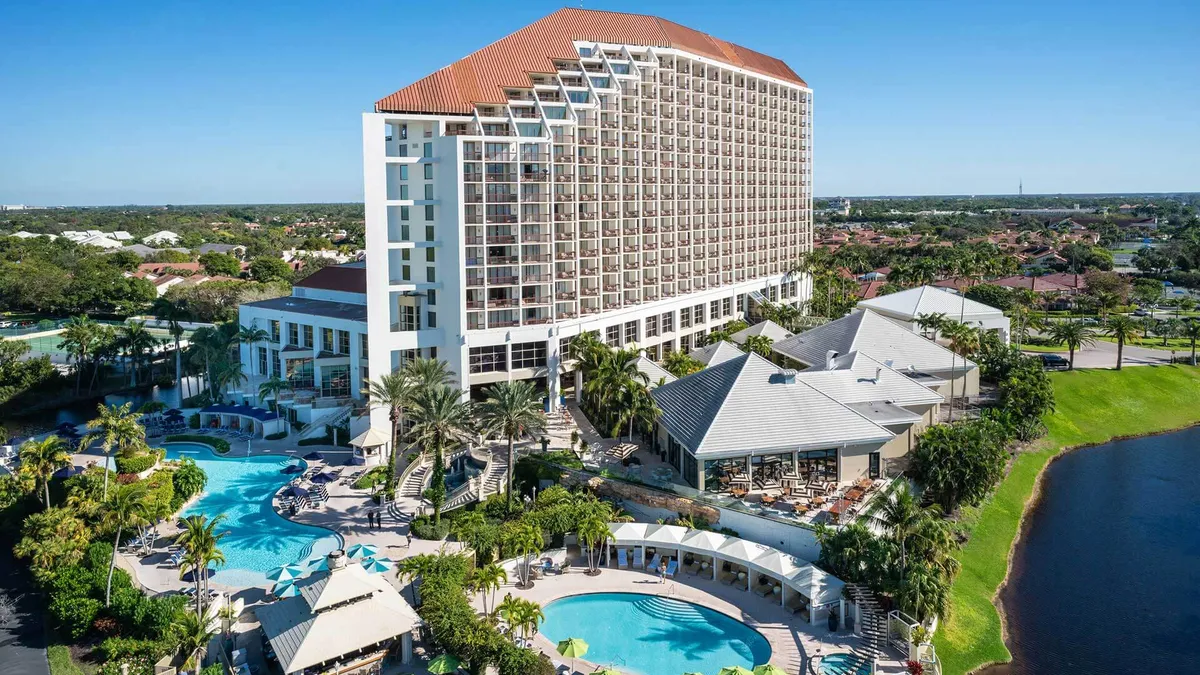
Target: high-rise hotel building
[593,171]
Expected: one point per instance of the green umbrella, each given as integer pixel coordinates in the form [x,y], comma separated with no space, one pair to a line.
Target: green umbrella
[734,670]
[572,648]
[768,669]
[605,671]
[443,664]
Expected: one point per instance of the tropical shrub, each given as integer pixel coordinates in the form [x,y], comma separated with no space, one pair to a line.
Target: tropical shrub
[194,418]
[135,463]
[275,437]
[72,615]
[959,463]
[422,527]
[189,479]
[371,478]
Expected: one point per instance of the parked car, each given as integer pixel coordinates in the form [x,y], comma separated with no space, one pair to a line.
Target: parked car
[1054,362]
[1140,312]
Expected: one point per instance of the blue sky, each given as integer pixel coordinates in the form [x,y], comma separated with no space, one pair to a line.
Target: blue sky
[230,102]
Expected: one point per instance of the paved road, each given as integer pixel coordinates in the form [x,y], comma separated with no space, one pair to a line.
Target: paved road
[23,644]
[1104,355]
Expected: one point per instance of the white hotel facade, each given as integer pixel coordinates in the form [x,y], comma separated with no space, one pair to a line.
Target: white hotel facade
[593,171]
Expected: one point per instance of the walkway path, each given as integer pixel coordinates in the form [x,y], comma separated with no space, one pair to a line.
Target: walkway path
[23,643]
[1104,355]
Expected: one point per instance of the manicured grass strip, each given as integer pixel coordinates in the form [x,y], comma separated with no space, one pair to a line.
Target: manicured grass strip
[60,661]
[1093,406]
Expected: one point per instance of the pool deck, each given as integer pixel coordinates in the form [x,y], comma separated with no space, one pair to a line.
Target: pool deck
[793,641]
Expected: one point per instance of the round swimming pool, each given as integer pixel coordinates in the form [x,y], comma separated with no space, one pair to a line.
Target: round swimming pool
[650,635]
[259,539]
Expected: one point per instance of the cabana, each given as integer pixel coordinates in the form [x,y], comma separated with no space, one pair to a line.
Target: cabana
[371,446]
[249,419]
[797,584]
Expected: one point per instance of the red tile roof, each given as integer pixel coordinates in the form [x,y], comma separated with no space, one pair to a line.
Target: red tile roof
[482,76]
[345,278]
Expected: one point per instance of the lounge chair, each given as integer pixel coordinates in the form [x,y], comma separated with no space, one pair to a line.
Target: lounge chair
[622,559]
[653,565]
[795,604]
[762,590]
[639,558]
[728,578]
[672,568]
[692,568]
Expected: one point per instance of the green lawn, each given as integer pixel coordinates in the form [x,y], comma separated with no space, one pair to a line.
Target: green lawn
[1094,406]
[59,657]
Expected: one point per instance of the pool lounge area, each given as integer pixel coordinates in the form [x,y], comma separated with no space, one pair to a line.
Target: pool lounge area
[242,419]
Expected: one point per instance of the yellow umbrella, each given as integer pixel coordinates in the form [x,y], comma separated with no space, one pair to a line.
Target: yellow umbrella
[572,648]
[734,670]
[768,669]
[605,671]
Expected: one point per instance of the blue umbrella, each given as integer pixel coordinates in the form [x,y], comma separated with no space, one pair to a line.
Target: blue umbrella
[378,565]
[355,461]
[295,491]
[322,478]
[314,456]
[319,565]
[285,589]
[66,472]
[361,551]
[286,573]
[173,411]
[292,469]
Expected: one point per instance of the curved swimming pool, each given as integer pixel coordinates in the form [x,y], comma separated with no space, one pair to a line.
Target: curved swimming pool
[259,539]
[649,635]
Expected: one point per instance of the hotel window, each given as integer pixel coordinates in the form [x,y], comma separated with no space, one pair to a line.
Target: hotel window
[685,317]
[428,172]
[620,68]
[327,340]
[274,325]
[293,334]
[410,318]
[529,355]
[612,336]
[565,351]
[274,365]
[427,150]
[364,349]
[714,310]
[668,323]
[405,273]
[651,326]
[726,306]
[631,332]
[555,113]
[308,336]
[818,465]
[578,96]
[262,360]
[403,172]
[529,130]
[741,302]
[299,373]
[343,342]
[698,314]
[403,192]
[429,191]
[429,233]
[488,359]
[429,212]
[403,213]
[599,82]
[431,319]
[335,381]
[429,255]
[431,297]
[685,344]
[430,275]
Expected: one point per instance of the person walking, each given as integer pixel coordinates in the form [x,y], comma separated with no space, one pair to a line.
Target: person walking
[408,538]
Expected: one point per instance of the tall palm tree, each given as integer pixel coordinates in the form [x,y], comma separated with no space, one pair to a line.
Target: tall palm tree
[173,312]
[512,410]
[137,342]
[79,338]
[228,374]
[40,459]
[430,373]
[252,335]
[209,347]
[1191,332]
[758,344]
[127,509]
[933,322]
[525,539]
[964,340]
[200,540]
[1123,329]
[902,517]
[395,392]
[1168,329]
[441,419]
[528,617]
[118,427]
[509,610]
[192,635]
[593,533]
[413,568]
[680,364]
[488,580]
[1074,335]
[635,408]
[105,348]
[271,388]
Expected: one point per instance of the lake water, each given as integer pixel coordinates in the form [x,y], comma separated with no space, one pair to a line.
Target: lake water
[1106,579]
[83,411]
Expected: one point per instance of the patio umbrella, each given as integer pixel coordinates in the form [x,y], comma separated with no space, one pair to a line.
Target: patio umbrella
[173,411]
[292,469]
[443,665]
[361,551]
[572,648]
[285,589]
[314,456]
[734,670]
[606,671]
[378,565]
[319,565]
[190,575]
[354,461]
[323,478]
[286,573]
[769,669]
[295,491]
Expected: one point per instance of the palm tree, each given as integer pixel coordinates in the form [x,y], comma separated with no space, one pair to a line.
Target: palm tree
[40,459]
[393,391]
[119,428]
[934,322]
[488,580]
[441,419]
[1191,331]
[272,387]
[512,410]
[192,634]
[1168,329]
[430,373]
[635,407]
[79,338]
[758,344]
[525,539]
[173,312]
[136,341]
[127,509]
[509,609]
[1123,329]
[1074,335]
[200,541]
[228,374]
[209,346]
[680,364]
[528,617]
[413,568]
[594,532]
[902,517]
[252,335]
[964,340]
[105,348]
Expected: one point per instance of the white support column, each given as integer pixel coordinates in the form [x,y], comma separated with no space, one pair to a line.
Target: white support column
[553,361]
[842,612]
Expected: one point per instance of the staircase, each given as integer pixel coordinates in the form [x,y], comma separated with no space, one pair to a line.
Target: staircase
[495,476]
[467,493]
[415,482]
[316,428]
[872,621]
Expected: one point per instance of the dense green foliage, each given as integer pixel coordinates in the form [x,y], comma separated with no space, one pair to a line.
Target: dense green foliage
[23,379]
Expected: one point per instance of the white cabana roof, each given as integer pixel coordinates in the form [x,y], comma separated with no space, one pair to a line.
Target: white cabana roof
[371,438]
[780,564]
[628,533]
[742,552]
[666,535]
[703,541]
[820,587]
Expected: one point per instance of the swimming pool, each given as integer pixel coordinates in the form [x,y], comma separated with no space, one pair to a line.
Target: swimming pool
[259,539]
[844,664]
[649,635]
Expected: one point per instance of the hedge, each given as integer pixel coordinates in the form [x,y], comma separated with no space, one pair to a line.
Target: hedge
[423,528]
[136,463]
[275,437]
[220,445]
